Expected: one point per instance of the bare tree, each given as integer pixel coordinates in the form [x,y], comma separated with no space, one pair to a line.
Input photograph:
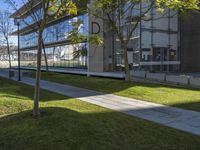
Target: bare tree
[35,17]
[51,9]
[6,28]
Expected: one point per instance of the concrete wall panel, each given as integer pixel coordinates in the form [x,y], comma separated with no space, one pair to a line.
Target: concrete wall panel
[195,82]
[156,76]
[141,74]
[177,79]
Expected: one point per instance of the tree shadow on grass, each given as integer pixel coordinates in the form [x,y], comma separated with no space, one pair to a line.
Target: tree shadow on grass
[61,128]
[158,93]
[194,106]
[15,90]
[106,85]
[65,76]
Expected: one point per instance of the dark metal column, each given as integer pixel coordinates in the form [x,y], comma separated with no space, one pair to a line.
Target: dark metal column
[19,70]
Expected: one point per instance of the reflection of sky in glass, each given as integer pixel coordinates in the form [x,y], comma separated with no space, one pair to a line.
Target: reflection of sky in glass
[36,16]
[60,56]
[57,32]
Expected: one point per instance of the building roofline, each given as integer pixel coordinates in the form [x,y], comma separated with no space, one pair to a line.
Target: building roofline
[33,27]
[23,9]
[34,3]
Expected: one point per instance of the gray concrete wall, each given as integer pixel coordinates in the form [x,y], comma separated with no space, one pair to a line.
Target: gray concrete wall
[101,58]
[156,76]
[96,54]
[109,52]
[140,74]
[177,79]
[195,81]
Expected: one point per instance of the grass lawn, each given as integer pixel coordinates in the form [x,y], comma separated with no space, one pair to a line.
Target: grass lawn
[158,93]
[71,124]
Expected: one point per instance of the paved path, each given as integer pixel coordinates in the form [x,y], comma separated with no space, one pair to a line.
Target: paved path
[180,119]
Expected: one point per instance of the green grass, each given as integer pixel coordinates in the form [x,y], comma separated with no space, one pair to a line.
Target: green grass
[158,93]
[70,124]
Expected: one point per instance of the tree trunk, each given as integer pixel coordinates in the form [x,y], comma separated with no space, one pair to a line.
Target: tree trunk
[36,112]
[45,56]
[9,58]
[126,64]
[54,49]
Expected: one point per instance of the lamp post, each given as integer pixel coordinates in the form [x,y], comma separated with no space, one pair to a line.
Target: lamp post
[17,23]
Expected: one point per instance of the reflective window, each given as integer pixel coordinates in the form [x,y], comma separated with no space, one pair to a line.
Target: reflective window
[36,16]
[60,56]
[55,33]
[153,42]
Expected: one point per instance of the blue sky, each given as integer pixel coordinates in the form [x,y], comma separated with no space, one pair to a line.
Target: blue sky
[4,6]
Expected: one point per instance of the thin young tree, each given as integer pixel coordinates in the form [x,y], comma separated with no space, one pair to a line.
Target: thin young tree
[78,36]
[50,9]
[6,28]
[35,17]
[124,16]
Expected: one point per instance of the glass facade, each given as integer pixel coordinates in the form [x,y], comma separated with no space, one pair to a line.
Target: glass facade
[134,43]
[55,33]
[36,16]
[154,45]
[4,59]
[60,55]
[160,42]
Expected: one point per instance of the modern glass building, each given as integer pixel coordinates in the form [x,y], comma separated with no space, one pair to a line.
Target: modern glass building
[155,46]
[58,50]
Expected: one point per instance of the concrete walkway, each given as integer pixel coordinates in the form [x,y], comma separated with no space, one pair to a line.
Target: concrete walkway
[180,119]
